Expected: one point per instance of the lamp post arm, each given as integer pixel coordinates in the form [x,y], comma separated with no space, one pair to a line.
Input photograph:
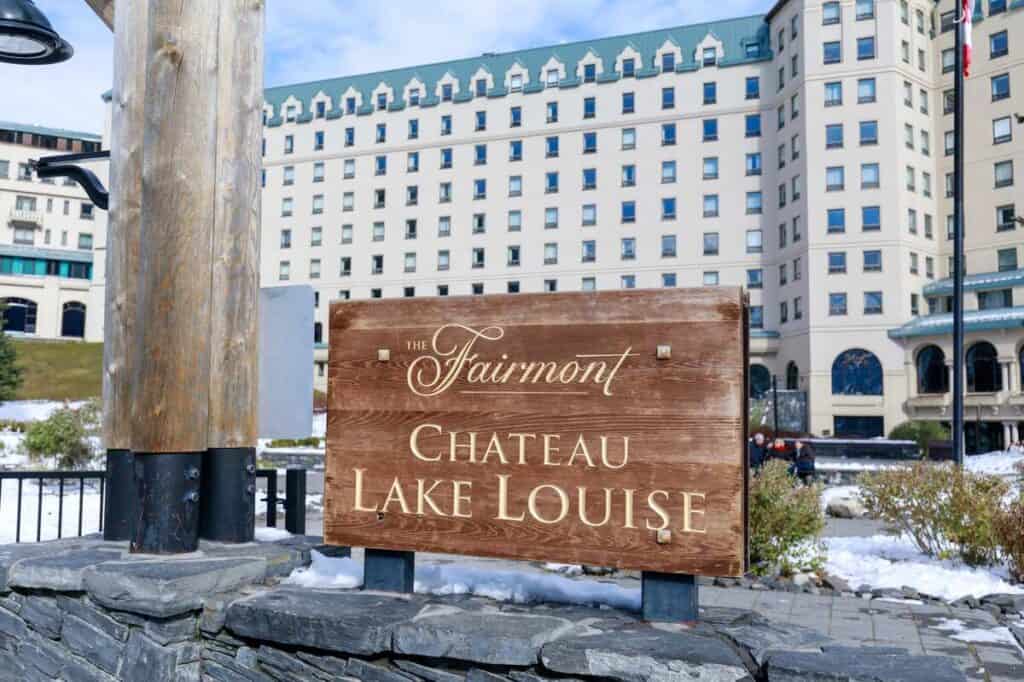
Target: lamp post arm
[104,9]
[64,167]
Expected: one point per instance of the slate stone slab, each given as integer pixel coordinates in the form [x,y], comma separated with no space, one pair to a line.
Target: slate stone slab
[848,664]
[281,557]
[42,655]
[643,654]
[147,661]
[42,615]
[76,670]
[428,673]
[166,588]
[88,612]
[486,637]
[359,623]
[94,645]
[368,672]
[477,675]
[286,666]
[166,631]
[11,554]
[762,639]
[222,668]
[11,625]
[61,572]
[1007,603]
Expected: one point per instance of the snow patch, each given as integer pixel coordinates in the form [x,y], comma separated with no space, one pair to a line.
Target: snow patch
[268,534]
[998,635]
[32,410]
[53,513]
[999,463]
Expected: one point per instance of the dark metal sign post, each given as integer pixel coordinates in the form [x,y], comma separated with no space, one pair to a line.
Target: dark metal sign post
[958,239]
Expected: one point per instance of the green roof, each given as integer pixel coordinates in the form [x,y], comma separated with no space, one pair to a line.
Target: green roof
[54,132]
[735,35]
[984,281]
[974,321]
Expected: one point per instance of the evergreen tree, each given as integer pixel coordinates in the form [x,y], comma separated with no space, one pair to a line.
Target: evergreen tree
[10,373]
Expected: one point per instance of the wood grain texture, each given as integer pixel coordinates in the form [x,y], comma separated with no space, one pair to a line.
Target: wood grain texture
[172,362]
[685,418]
[104,9]
[125,216]
[234,335]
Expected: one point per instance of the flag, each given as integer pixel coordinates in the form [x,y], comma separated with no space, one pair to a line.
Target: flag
[968,25]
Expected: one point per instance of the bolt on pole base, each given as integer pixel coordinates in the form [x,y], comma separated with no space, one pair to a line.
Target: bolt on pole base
[119,504]
[227,509]
[167,503]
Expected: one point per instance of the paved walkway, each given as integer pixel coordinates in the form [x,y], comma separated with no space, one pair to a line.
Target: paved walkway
[909,626]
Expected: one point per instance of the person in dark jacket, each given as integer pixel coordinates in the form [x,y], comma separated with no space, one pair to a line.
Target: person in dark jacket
[757,450]
[803,462]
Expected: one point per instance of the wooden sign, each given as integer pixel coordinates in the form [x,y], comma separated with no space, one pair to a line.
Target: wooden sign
[601,428]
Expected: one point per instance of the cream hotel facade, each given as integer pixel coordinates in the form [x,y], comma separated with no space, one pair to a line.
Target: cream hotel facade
[805,154]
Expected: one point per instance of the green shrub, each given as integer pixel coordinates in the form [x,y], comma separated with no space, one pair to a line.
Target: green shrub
[63,436]
[10,373]
[1010,533]
[311,442]
[948,512]
[786,521]
[921,432]
[13,426]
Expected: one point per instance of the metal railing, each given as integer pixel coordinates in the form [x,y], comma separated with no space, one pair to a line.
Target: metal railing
[61,477]
[294,502]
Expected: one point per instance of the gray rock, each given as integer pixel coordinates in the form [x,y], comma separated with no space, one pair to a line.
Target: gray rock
[222,668]
[246,656]
[166,588]
[846,508]
[281,558]
[42,615]
[477,675]
[12,602]
[87,611]
[187,652]
[77,670]
[92,644]
[848,664]
[191,672]
[11,625]
[646,654]
[60,572]
[11,669]
[146,660]
[368,672]
[429,674]
[760,639]
[490,638]
[11,554]
[328,664]
[41,654]
[287,666]
[1008,603]
[520,676]
[359,623]
[1018,631]
[166,631]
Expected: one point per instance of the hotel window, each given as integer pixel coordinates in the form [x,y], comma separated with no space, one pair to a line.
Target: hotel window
[589,143]
[709,56]
[1004,173]
[382,101]
[480,188]
[872,261]
[515,117]
[515,150]
[710,92]
[837,263]
[871,218]
[832,52]
[410,262]
[915,305]
[836,220]
[444,260]
[668,134]
[628,248]
[794,65]
[710,205]
[589,73]
[796,229]
[589,107]
[753,125]
[289,144]
[478,259]
[551,218]
[948,101]
[382,133]
[414,97]
[905,52]
[908,94]
[866,90]
[949,142]
[948,60]
[783,312]
[377,234]
[287,206]
[755,241]
[837,304]
[284,271]
[756,317]
[289,113]
[710,168]
[1006,218]
[872,302]
[552,112]
[515,185]
[668,62]
[444,226]
[346,234]
[381,165]
[321,109]
[481,87]
[551,182]
[589,178]
[914,264]
[629,138]
[318,141]
[830,13]
[288,177]
[668,208]
[446,92]
[412,163]
[668,172]
[834,136]
[1001,130]
[446,158]
[999,45]
[515,221]
[926,143]
[515,82]
[316,236]
[866,48]
[710,278]
[318,171]
[1007,259]
[782,270]
[481,121]
[628,281]
[412,195]
[550,286]
[922,97]
[589,214]
[929,267]
[629,211]
[589,254]
[781,115]
[912,220]
[446,124]
[513,256]
[753,203]
[376,264]
[286,239]
[996,7]
[1000,87]
[348,201]
[350,137]
[710,129]
[835,178]
[753,88]
[318,204]
[782,40]
[628,67]
[833,94]
[922,62]
[795,186]
[794,106]
[870,176]
[628,175]
[668,98]
[480,155]
[628,102]
[551,147]
[668,279]
[929,229]
[445,192]
[668,246]
[868,133]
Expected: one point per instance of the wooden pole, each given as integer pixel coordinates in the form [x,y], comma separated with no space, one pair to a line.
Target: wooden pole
[122,261]
[228,507]
[171,365]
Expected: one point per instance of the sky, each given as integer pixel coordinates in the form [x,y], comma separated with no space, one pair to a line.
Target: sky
[314,39]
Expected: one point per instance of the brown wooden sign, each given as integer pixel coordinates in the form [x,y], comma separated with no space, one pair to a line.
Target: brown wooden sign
[600,428]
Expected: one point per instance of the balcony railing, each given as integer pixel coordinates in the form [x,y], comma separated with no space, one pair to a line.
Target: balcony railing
[22,215]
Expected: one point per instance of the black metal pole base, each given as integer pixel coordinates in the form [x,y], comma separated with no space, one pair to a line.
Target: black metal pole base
[119,504]
[668,597]
[227,508]
[167,499]
[386,570]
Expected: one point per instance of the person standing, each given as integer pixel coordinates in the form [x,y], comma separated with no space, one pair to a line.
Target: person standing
[757,450]
[803,462]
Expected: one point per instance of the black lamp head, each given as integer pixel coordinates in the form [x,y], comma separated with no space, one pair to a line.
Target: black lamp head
[26,36]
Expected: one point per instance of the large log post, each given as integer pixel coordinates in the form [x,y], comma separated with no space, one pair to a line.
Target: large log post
[228,489]
[122,262]
[171,386]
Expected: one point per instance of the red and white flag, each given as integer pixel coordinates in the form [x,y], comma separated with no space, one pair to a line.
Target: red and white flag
[968,25]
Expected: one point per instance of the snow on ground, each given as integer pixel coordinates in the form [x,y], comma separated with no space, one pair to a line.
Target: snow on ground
[883,561]
[268,534]
[1000,462]
[32,410]
[960,631]
[51,510]
[839,492]
[519,587]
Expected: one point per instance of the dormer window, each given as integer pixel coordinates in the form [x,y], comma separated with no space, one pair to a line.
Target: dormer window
[710,56]
[516,82]
[321,109]
[289,114]
[753,50]
[589,73]
[481,87]
[350,105]
[414,97]
[552,77]
[668,62]
[628,67]
[446,92]
[382,101]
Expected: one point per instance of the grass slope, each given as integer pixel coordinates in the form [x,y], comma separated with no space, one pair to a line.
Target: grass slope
[60,370]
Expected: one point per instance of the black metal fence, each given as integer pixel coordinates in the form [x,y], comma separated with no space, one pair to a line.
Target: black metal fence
[64,483]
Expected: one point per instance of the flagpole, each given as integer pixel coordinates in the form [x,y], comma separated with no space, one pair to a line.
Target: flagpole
[958,238]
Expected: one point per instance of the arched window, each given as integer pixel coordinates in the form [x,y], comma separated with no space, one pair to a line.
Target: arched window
[792,376]
[760,381]
[72,320]
[856,372]
[932,374]
[19,315]
[983,372]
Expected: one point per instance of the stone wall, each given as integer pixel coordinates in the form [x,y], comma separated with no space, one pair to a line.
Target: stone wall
[86,610]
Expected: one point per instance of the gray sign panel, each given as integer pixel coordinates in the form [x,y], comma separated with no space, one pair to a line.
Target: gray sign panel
[286,362]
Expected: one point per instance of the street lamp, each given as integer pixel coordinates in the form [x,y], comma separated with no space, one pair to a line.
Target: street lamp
[26,36]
